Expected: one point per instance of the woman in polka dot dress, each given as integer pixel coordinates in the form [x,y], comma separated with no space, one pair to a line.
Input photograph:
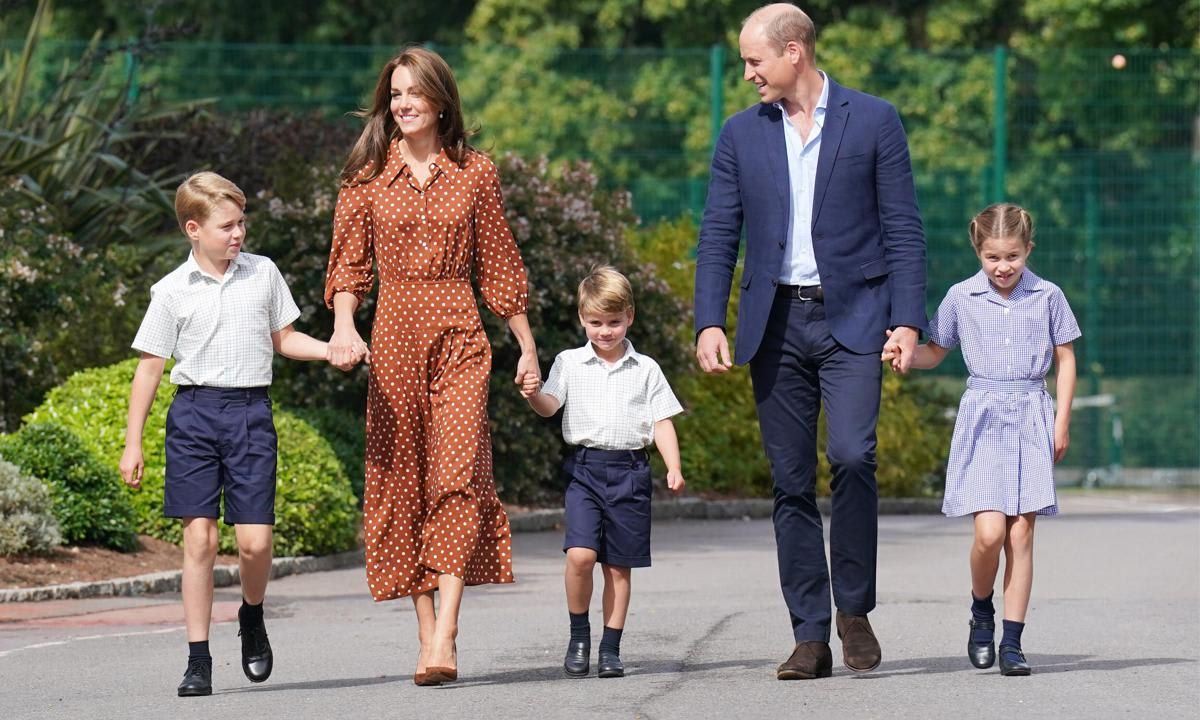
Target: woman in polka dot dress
[423,210]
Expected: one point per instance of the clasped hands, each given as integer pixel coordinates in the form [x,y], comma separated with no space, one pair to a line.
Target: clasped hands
[347,349]
[900,348]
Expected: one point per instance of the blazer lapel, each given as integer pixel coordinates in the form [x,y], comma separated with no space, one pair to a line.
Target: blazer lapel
[836,113]
[776,148]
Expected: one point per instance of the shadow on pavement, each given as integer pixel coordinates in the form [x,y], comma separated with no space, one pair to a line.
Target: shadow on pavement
[318,684]
[632,669]
[1042,665]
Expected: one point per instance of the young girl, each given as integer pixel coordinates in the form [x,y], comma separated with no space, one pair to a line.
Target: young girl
[1007,436]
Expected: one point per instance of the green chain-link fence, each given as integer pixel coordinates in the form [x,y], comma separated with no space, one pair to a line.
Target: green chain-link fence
[1104,149]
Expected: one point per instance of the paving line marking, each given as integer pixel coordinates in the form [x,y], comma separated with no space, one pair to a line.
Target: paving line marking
[35,646]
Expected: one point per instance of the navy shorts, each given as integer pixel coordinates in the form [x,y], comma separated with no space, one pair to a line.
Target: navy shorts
[221,441]
[608,505]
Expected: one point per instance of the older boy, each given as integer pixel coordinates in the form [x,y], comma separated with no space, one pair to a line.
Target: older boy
[615,402]
[222,314]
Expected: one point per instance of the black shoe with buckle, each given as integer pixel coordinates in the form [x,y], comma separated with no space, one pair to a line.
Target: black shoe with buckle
[197,680]
[981,654]
[257,659]
[1012,661]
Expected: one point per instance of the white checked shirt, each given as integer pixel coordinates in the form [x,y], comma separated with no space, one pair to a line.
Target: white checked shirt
[218,329]
[610,407]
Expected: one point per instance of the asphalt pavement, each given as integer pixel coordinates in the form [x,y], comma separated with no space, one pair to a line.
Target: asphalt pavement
[1113,632]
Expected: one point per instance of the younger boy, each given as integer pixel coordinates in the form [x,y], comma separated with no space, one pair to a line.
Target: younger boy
[221,315]
[615,402]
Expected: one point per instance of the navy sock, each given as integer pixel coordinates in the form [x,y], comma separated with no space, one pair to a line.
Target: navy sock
[1012,635]
[581,629]
[611,642]
[250,615]
[982,610]
[198,650]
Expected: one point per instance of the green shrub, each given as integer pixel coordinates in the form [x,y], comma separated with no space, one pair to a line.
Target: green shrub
[90,502]
[26,525]
[719,440]
[315,508]
[346,434]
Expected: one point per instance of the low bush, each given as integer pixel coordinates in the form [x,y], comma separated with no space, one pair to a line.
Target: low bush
[315,508]
[90,502]
[26,525]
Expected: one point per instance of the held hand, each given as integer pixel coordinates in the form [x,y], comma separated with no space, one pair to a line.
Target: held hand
[132,466]
[1062,441]
[890,354]
[675,481]
[346,349]
[712,350]
[902,344]
[527,365]
[530,385]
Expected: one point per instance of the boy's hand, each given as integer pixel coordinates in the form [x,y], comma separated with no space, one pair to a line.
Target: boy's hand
[530,385]
[132,466]
[675,481]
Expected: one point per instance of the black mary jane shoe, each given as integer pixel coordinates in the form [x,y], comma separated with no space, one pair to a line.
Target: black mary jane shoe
[197,680]
[577,662]
[1012,661]
[981,655]
[610,665]
[257,658]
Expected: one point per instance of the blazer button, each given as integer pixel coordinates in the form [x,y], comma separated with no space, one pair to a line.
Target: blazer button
[782,243]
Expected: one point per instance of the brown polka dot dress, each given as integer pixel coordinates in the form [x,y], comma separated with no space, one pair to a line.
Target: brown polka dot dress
[430,503]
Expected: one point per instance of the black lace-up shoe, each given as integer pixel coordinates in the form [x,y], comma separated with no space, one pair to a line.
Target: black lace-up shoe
[257,659]
[197,680]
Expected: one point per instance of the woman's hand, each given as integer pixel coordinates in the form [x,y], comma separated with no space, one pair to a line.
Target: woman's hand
[346,349]
[528,366]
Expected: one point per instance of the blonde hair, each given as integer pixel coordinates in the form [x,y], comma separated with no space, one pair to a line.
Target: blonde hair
[435,79]
[199,195]
[604,291]
[783,23]
[1002,220]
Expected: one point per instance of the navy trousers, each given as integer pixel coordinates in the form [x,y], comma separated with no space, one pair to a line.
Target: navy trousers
[799,368]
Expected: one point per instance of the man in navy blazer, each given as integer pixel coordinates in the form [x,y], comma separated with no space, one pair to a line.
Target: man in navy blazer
[819,177]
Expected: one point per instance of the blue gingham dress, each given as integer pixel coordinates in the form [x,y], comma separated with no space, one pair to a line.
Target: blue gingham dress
[1002,453]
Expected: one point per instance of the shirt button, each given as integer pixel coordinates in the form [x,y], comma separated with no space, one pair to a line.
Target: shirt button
[1006,311]
[1008,341]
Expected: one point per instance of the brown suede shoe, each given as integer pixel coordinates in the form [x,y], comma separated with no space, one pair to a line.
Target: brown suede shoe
[860,649]
[810,660]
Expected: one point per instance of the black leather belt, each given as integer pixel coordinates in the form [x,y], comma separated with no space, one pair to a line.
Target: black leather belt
[809,293]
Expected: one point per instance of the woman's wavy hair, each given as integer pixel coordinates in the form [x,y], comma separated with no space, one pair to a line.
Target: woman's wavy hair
[435,80]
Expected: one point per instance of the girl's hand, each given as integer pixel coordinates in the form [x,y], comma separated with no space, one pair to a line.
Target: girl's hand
[1062,440]
[675,481]
[132,466]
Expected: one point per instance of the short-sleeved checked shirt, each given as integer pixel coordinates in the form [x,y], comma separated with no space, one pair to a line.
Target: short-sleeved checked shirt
[218,329]
[1002,452]
[610,407]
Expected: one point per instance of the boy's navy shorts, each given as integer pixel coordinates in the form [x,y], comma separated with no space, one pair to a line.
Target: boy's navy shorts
[221,440]
[608,505]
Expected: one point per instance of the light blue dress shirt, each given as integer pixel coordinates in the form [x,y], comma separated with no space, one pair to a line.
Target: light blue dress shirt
[799,261]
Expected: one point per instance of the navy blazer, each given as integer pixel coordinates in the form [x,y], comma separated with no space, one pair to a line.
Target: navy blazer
[866,228]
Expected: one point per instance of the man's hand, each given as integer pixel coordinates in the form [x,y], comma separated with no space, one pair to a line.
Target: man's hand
[900,348]
[712,350]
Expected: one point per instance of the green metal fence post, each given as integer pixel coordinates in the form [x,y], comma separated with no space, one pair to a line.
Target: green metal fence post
[1091,283]
[1000,125]
[716,66]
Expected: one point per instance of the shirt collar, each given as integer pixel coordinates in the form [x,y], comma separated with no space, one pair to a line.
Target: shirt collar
[589,355]
[979,284]
[822,102]
[192,268]
[441,163]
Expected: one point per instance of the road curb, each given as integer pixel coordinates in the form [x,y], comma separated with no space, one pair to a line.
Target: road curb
[524,521]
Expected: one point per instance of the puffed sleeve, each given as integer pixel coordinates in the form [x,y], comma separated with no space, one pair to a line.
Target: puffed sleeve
[351,258]
[943,328]
[499,270]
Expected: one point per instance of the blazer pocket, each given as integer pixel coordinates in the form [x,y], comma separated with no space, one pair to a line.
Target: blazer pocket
[874,269]
[853,158]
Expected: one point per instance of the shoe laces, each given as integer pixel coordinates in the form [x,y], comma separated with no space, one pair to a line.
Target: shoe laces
[255,636]
[198,664]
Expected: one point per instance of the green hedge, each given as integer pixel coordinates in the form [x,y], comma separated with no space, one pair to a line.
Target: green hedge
[89,500]
[26,525]
[315,509]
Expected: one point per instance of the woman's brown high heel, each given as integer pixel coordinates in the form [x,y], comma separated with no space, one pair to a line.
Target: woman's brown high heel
[436,675]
